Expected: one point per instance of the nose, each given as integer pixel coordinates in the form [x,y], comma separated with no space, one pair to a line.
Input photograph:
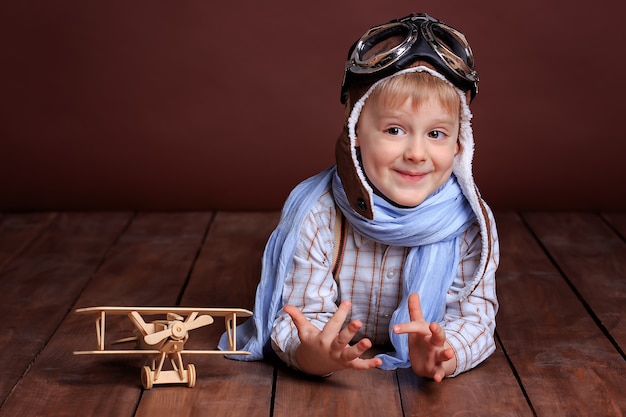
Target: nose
[415,150]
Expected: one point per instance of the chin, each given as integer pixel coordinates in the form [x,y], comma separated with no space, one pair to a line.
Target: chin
[408,202]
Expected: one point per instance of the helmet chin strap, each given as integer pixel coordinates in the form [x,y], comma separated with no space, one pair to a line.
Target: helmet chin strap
[355,189]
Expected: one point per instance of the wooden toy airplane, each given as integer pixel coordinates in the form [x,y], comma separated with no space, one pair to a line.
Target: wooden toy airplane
[165,338]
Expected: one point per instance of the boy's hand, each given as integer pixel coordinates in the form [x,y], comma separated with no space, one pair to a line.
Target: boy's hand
[431,356]
[324,351]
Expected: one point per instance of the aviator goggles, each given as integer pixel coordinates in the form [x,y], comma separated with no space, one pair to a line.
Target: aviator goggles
[386,49]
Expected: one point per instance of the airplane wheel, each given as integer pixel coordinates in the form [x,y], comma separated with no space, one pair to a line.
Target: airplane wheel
[146,377]
[191,376]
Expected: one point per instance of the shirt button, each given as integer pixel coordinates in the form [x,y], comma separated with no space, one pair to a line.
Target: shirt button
[391,274]
[387,314]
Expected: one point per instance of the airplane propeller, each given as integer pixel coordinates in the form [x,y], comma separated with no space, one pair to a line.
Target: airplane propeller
[178,329]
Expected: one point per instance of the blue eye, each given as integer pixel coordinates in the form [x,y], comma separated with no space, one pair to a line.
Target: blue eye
[395,131]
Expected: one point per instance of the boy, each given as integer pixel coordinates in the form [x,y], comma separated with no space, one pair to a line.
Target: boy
[393,245]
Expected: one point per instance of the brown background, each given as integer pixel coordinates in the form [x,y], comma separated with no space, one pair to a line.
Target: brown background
[200,104]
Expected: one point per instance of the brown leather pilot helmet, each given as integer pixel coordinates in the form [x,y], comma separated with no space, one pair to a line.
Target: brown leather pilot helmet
[375,57]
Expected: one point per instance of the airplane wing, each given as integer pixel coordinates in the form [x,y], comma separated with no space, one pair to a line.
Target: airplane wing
[156,352]
[230,322]
[220,312]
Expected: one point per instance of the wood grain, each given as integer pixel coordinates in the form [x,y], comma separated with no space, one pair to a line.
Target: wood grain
[345,393]
[17,231]
[593,258]
[560,321]
[147,266]
[225,275]
[618,221]
[491,389]
[565,362]
[38,286]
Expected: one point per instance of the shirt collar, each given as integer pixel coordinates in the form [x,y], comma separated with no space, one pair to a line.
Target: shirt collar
[359,239]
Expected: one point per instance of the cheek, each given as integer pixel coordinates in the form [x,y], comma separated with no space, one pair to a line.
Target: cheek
[372,162]
[374,154]
[443,159]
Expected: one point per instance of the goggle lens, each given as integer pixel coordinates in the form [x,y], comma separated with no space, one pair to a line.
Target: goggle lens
[381,47]
[452,47]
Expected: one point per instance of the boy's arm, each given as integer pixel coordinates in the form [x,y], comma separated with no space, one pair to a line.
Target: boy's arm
[430,354]
[310,286]
[309,332]
[464,338]
[469,325]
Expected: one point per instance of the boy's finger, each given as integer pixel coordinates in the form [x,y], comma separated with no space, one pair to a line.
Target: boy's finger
[361,364]
[348,333]
[439,375]
[439,336]
[296,315]
[445,355]
[415,308]
[353,352]
[334,325]
[420,327]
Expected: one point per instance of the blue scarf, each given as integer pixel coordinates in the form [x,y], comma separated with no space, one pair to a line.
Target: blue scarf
[430,230]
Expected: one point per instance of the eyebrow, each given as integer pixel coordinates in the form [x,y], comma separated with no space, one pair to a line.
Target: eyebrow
[447,118]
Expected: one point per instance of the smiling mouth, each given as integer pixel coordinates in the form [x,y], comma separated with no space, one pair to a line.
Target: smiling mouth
[412,176]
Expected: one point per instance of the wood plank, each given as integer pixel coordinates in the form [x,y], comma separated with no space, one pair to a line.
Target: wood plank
[40,283]
[225,275]
[229,267]
[148,266]
[566,364]
[563,359]
[618,221]
[18,230]
[490,389]
[593,257]
[345,393]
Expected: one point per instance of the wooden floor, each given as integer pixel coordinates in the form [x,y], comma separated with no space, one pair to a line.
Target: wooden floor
[561,325]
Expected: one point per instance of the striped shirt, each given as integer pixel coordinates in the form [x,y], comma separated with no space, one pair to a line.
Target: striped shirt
[371,278]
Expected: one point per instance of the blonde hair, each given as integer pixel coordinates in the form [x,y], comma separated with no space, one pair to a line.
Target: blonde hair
[419,87]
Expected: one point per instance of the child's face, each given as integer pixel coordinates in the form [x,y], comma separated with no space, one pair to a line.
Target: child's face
[408,151]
